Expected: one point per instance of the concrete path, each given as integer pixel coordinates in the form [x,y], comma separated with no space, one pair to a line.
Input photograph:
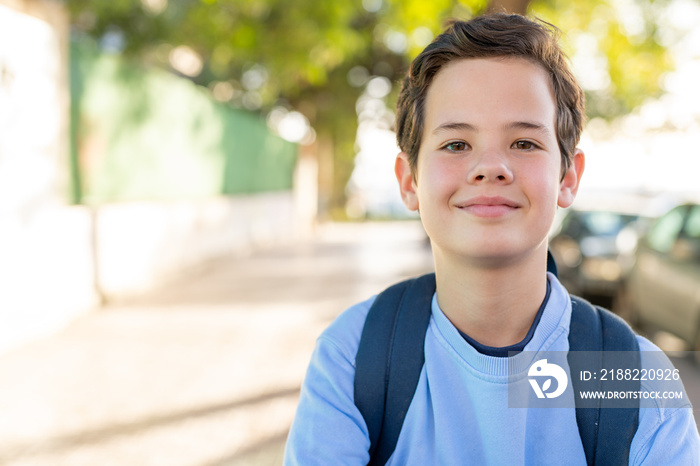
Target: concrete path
[204,371]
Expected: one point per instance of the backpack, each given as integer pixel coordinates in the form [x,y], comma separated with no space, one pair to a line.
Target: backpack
[390,359]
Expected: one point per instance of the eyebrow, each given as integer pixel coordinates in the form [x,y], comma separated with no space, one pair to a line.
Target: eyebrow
[528,125]
[454,126]
[463,126]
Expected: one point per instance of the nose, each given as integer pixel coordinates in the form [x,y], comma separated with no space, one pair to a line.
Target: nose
[490,167]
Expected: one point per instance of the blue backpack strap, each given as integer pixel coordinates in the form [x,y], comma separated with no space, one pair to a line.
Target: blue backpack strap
[606,432]
[390,359]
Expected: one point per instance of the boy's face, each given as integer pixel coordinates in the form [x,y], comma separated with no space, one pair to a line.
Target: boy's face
[488,176]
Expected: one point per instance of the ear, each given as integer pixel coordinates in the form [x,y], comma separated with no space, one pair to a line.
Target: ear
[569,185]
[407,183]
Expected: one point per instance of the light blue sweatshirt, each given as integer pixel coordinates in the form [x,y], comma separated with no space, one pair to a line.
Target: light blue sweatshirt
[459,414]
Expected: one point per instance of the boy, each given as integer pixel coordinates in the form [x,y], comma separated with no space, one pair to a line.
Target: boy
[488,121]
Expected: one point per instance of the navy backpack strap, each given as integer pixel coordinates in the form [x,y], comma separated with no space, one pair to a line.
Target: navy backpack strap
[551,264]
[390,359]
[606,432]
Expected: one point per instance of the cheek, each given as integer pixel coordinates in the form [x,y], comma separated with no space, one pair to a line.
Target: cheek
[543,181]
[439,175]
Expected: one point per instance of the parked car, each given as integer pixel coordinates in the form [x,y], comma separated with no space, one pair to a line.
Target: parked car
[587,249]
[662,289]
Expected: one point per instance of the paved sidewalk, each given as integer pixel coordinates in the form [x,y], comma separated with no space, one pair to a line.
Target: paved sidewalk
[202,372]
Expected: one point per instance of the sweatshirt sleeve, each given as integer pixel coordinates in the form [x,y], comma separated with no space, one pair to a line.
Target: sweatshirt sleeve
[328,428]
[674,441]
[667,432]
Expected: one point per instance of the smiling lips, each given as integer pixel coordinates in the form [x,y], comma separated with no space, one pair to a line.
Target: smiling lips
[486,206]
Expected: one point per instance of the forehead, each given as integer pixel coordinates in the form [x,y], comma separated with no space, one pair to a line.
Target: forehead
[486,91]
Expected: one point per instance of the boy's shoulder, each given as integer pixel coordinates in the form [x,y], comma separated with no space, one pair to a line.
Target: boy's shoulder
[346,330]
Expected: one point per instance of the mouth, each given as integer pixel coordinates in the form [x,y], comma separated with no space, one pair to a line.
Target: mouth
[487,206]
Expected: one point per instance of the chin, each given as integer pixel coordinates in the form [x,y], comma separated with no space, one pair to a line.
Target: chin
[494,254]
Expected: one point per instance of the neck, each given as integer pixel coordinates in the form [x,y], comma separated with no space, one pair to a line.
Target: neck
[493,303]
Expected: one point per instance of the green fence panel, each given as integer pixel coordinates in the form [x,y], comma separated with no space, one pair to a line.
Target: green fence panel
[149,135]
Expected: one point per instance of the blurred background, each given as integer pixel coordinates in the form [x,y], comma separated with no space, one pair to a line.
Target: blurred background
[191,190]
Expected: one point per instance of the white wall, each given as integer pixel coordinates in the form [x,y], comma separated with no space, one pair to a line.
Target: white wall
[66,259]
[142,244]
[43,267]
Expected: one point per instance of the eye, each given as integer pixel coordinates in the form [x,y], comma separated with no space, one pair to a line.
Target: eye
[525,145]
[455,146]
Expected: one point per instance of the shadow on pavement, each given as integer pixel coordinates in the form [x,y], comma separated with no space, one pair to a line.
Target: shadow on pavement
[107,433]
[268,451]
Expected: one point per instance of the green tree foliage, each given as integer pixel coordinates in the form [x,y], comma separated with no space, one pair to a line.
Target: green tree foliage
[620,41]
[300,53]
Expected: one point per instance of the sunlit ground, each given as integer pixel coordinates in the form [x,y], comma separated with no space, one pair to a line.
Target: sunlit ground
[203,371]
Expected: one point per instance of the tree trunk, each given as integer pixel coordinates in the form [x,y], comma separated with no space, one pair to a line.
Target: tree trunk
[508,6]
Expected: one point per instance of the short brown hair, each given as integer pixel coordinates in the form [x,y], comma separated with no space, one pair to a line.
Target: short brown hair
[496,35]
